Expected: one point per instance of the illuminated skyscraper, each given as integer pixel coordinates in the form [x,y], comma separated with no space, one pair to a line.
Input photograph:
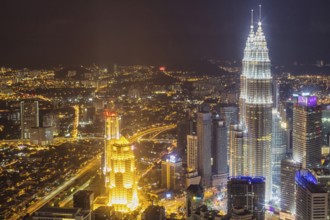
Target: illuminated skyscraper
[307,131]
[111,133]
[112,125]
[121,182]
[288,188]
[256,103]
[29,117]
[238,151]
[119,167]
[192,152]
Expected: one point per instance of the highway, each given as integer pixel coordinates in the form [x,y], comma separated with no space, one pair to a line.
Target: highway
[94,164]
[159,130]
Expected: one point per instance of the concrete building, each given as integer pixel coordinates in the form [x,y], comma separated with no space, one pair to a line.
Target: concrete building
[279,149]
[83,199]
[288,188]
[154,213]
[204,135]
[194,199]
[55,213]
[312,199]
[307,131]
[41,135]
[219,146]
[191,152]
[171,173]
[29,110]
[247,193]
[238,151]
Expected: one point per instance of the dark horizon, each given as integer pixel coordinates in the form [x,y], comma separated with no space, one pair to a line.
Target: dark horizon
[48,33]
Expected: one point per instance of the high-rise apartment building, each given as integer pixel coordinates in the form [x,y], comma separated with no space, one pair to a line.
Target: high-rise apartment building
[192,152]
[311,199]
[307,131]
[29,117]
[247,193]
[256,103]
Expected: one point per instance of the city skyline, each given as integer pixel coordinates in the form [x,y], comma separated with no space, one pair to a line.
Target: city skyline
[240,130]
[43,34]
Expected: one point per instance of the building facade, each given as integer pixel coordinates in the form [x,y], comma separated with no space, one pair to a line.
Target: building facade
[288,188]
[312,200]
[29,117]
[247,193]
[307,131]
[171,173]
[238,151]
[122,183]
[192,152]
[204,135]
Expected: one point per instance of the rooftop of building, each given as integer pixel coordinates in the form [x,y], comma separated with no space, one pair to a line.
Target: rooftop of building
[58,212]
[248,179]
[307,180]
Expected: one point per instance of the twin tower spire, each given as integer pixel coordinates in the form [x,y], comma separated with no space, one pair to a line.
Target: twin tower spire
[259,20]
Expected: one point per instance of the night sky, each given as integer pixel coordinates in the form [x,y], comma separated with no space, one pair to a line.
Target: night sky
[46,33]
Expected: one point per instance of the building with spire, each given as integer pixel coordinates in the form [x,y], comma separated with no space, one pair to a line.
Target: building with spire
[256,103]
[119,167]
[122,183]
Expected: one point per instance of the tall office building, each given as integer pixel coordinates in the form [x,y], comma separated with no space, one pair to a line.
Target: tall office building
[238,151]
[279,149]
[312,199]
[204,135]
[256,103]
[219,146]
[29,117]
[112,125]
[230,114]
[111,133]
[192,152]
[288,188]
[326,125]
[307,131]
[211,149]
[248,193]
[121,182]
[171,173]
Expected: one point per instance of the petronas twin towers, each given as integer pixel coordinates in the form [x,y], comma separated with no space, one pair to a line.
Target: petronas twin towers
[256,106]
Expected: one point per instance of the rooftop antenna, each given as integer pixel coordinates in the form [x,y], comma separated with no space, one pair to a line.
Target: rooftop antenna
[259,22]
[251,19]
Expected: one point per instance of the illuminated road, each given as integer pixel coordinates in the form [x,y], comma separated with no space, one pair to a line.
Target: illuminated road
[132,139]
[70,197]
[94,164]
[161,129]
